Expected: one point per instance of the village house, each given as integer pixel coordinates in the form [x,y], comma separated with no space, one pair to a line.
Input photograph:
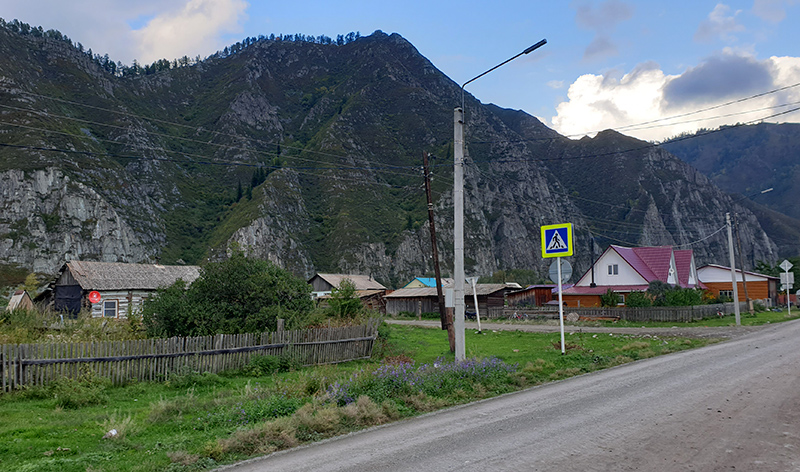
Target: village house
[323,284]
[110,289]
[624,270]
[717,280]
[491,299]
[421,282]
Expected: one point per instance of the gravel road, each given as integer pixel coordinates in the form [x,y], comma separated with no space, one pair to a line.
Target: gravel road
[728,406]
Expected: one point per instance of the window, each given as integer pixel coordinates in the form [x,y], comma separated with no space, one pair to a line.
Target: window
[110,308]
[621,299]
[613,269]
[726,294]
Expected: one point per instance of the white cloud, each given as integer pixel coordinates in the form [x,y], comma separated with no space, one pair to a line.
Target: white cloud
[719,25]
[196,28]
[598,102]
[556,84]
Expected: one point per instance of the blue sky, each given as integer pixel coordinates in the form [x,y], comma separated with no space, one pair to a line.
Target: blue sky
[607,64]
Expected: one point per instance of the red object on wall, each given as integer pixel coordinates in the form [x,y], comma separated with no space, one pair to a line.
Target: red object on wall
[94,296]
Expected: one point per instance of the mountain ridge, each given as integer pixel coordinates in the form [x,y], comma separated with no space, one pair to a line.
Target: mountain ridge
[337,132]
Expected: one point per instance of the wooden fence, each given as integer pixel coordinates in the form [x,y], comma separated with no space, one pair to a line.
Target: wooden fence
[156,359]
[662,313]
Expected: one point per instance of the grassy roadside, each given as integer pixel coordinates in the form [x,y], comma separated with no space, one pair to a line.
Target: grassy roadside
[199,421]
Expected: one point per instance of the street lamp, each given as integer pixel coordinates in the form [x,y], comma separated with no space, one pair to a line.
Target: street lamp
[458,208]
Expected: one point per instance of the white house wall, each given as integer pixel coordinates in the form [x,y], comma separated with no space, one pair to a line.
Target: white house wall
[719,275]
[627,275]
[121,296]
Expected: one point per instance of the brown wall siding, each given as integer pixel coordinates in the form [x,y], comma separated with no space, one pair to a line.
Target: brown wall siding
[755,290]
[585,300]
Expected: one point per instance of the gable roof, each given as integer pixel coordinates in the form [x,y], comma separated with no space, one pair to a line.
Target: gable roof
[652,263]
[20,299]
[362,282]
[658,263]
[431,281]
[124,276]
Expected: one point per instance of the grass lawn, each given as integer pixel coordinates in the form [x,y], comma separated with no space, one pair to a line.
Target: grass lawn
[756,319]
[198,421]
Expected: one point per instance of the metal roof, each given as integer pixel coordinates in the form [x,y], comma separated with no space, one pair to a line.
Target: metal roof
[482,289]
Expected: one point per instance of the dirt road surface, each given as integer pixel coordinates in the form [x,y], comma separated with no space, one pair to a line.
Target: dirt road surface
[730,406]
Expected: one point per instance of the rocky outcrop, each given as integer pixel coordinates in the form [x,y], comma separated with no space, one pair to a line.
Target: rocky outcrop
[47,218]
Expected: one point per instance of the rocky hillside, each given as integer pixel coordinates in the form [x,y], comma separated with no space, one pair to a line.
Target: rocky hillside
[309,154]
[747,159]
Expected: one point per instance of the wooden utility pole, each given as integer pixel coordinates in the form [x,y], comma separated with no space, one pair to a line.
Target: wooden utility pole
[447,322]
[741,263]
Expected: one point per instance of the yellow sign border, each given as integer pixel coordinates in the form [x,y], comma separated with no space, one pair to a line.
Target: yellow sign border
[570,245]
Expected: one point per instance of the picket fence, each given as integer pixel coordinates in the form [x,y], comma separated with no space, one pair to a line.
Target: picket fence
[666,313]
[23,365]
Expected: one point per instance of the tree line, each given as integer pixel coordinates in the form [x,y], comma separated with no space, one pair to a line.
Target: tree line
[119,69]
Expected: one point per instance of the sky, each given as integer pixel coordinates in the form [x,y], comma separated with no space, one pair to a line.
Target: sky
[651,69]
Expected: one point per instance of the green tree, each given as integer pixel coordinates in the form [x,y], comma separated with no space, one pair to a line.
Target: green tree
[237,295]
[344,300]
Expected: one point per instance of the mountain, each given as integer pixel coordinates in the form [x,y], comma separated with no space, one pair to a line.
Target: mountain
[308,153]
[747,159]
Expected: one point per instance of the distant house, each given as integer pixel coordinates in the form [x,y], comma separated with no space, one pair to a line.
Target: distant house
[624,270]
[533,295]
[370,299]
[421,282]
[717,279]
[491,299]
[323,284]
[20,301]
[121,287]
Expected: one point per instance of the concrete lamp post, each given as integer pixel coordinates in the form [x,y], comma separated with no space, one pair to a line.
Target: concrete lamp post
[458,209]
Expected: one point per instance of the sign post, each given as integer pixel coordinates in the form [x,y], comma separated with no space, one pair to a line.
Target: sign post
[787,279]
[557,242]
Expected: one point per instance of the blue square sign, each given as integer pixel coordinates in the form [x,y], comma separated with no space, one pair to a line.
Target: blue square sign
[557,240]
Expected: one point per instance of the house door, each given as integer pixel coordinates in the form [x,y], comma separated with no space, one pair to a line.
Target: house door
[68,299]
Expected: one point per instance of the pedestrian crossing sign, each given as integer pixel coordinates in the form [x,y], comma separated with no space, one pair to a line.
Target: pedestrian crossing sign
[557,240]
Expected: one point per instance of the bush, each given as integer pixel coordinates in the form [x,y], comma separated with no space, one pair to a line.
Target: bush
[87,389]
[638,299]
[233,296]
[268,365]
[344,302]
[610,298]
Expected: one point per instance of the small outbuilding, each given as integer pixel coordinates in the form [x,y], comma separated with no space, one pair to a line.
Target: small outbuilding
[20,301]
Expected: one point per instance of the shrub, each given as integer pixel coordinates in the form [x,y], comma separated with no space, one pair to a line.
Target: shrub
[638,299]
[87,389]
[268,365]
[344,302]
[610,298]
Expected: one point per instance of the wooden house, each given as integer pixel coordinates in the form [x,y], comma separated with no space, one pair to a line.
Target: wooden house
[717,280]
[111,289]
[323,284]
[421,282]
[491,299]
[534,295]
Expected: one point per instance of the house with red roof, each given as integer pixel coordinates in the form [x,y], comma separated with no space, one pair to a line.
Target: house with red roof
[628,269]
